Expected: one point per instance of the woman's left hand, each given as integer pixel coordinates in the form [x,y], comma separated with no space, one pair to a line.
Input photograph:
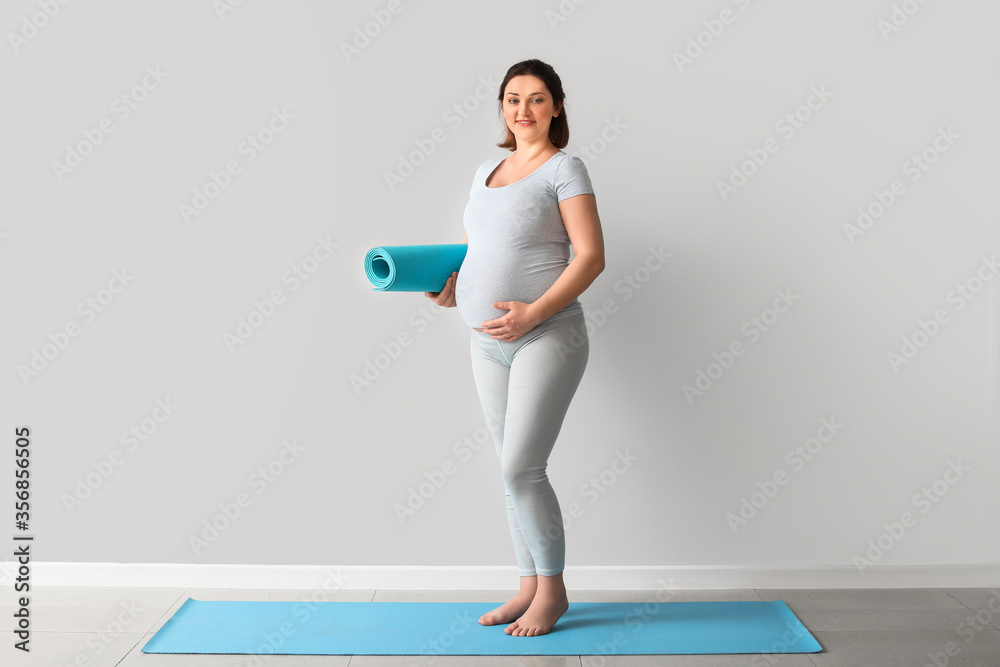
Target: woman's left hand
[519,320]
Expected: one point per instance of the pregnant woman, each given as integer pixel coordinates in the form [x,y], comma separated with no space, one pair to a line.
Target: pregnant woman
[517,290]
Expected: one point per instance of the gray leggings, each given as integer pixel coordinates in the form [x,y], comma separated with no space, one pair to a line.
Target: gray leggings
[525,387]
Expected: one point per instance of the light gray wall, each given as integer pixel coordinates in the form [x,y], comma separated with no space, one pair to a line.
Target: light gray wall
[657,138]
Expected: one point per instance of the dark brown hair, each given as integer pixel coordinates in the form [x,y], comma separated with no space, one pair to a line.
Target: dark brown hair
[559,127]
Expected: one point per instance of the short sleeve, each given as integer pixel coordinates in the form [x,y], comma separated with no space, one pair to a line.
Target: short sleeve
[572,179]
[475,179]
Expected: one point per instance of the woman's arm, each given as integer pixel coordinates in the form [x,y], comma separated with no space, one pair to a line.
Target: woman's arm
[583,225]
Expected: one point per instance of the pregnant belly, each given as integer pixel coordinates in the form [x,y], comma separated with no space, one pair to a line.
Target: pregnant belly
[481,283]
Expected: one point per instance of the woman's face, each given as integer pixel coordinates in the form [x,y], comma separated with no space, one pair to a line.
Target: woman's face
[527,98]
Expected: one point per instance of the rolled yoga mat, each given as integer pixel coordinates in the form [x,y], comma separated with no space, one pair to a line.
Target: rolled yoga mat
[308,627]
[413,268]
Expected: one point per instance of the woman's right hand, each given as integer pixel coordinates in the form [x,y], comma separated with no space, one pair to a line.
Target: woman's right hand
[446,297]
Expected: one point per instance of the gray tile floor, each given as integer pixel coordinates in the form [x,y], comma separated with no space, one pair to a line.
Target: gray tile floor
[957,627]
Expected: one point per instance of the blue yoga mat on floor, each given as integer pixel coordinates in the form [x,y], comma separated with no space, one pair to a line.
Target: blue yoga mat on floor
[413,268]
[452,628]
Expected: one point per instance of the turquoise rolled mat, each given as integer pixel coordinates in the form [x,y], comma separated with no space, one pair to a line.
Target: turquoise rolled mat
[413,268]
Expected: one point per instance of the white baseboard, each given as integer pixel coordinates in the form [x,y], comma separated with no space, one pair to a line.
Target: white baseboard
[583,577]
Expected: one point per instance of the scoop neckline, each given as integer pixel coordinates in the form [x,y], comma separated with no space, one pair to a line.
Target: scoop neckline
[501,187]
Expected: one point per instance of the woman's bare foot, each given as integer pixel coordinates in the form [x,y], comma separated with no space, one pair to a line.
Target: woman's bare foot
[506,612]
[549,604]
[512,610]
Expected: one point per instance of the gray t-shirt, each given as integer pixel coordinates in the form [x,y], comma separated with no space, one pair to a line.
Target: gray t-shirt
[518,245]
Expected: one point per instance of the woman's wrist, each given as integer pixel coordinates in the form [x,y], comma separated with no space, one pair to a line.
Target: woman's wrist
[537,312]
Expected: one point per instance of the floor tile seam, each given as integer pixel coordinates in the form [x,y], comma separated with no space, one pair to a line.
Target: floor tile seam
[129,652]
[181,596]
